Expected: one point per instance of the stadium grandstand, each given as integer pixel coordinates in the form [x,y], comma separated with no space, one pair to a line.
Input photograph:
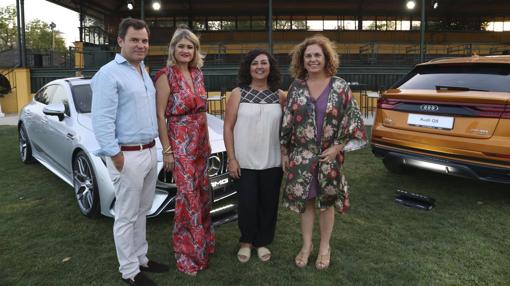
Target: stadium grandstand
[378,41]
[366,31]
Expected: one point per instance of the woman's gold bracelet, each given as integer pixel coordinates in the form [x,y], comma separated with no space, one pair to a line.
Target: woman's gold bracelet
[168,151]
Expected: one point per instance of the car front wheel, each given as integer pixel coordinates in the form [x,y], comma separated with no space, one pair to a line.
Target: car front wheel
[85,185]
[25,150]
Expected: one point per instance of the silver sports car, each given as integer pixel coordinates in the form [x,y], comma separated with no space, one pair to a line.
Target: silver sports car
[55,129]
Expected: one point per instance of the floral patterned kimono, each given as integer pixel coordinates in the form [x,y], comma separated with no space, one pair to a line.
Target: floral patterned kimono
[343,124]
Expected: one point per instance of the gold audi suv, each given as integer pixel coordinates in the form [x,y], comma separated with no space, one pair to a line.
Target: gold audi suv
[450,116]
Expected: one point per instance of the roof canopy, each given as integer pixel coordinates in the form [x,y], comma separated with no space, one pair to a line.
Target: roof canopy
[446,8]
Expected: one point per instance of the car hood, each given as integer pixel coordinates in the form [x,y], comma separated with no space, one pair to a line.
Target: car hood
[215,133]
[215,130]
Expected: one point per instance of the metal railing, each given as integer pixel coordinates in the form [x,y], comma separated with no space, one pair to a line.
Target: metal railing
[225,78]
[463,49]
[97,35]
[501,50]
[49,58]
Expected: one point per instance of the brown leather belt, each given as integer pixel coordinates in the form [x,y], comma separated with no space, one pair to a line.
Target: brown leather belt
[137,147]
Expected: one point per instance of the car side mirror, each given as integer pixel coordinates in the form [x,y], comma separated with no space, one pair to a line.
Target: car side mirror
[55,109]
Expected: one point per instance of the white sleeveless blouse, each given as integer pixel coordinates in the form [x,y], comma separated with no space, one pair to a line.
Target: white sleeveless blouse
[257,130]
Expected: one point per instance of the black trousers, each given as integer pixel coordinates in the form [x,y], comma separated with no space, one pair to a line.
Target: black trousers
[259,191]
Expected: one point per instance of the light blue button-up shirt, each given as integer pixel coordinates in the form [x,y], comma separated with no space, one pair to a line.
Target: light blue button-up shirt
[123,106]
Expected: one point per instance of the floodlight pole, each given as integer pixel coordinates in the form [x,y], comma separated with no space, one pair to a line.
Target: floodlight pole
[82,19]
[52,27]
[23,46]
[18,22]
[422,32]
[22,49]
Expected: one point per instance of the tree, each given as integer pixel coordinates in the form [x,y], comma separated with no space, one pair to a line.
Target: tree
[38,33]
[40,37]
[7,27]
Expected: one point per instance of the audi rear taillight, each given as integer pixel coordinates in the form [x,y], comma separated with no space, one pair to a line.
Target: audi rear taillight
[493,111]
[386,103]
[504,156]
[506,113]
[450,109]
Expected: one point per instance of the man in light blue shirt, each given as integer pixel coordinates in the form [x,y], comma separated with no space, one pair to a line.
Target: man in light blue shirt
[125,125]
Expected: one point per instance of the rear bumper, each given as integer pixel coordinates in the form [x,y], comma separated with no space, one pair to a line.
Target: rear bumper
[444,166]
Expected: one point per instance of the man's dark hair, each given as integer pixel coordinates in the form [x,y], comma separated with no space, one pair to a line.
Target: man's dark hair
[244,76]
[137,24]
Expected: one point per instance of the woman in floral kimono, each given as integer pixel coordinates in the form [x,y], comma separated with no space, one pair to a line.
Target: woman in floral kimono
[320,122]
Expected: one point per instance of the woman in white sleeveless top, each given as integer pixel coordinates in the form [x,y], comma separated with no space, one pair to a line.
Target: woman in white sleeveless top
[251,135]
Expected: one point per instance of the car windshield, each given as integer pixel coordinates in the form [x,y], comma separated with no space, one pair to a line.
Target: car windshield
[82,97]
[458,77]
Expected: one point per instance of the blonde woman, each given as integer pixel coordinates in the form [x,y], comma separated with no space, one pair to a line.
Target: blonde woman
[320,122]
[181,107]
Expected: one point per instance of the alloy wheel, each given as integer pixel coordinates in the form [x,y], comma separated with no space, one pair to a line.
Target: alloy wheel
[22,145]
[84,185]
[25,151]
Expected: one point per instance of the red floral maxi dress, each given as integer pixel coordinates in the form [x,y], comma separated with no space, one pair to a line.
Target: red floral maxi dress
[193,237]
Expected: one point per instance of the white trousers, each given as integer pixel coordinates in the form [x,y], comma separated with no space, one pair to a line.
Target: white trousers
[134,187]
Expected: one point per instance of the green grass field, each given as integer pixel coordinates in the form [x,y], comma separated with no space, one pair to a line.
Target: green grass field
[464,240]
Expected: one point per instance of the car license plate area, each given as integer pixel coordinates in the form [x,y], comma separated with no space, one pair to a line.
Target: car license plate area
[430,121]
[220,181]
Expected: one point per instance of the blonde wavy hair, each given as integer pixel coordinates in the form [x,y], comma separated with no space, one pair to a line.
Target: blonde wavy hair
[297,68]
[180,33]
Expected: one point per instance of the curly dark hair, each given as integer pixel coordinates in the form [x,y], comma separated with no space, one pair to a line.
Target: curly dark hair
[244,76]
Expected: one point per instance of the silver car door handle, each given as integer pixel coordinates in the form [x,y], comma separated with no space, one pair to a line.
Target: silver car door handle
[70,136]
[44,120]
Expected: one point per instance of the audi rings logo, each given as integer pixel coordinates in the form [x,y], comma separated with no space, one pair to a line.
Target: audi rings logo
[429,107]
[213,165]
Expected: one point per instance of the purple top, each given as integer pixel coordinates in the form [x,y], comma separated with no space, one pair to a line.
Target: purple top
[320,111]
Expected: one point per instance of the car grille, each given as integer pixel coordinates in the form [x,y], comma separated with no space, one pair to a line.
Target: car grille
[216,165]
[223,193]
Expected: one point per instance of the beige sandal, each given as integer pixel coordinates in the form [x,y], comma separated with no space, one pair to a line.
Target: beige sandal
[323,260]
[301,259]
[264,254]
[244,254]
